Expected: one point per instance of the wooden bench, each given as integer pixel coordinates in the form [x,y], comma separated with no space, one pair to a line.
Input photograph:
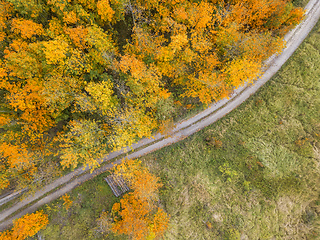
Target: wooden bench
[117,184]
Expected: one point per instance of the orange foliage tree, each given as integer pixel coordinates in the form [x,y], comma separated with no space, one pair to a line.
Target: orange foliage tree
[137,214]
[26,226]
[67,202]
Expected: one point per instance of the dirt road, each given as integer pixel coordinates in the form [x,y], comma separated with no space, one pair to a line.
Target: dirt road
[181,131]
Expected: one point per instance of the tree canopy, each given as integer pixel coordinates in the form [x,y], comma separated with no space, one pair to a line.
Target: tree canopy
[26,226]
[137,215]
[79,78]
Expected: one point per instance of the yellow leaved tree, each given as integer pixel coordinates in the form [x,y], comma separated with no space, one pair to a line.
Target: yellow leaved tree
[137,215]
[26,226]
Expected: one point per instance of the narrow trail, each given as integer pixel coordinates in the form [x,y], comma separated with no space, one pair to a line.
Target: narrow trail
[182,130]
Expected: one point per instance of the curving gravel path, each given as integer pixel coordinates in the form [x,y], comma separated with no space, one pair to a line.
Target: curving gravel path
[182,130]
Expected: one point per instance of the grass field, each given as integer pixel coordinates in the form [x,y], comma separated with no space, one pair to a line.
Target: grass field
[79,221]
[252,175]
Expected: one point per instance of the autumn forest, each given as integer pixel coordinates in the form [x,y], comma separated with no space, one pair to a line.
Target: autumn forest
[80,78]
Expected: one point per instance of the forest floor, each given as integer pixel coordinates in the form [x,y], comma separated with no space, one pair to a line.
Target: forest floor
[181,131]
